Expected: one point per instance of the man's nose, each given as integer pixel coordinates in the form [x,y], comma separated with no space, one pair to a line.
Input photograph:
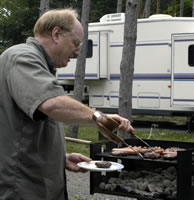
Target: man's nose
[76,53]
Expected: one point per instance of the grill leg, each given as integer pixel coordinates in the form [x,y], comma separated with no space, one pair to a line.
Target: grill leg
[184,175]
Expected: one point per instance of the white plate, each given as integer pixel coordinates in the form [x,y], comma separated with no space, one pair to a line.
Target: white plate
[92,167]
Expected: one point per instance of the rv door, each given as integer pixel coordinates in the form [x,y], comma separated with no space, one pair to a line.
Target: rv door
[92,64]
[96,66]
[182,77]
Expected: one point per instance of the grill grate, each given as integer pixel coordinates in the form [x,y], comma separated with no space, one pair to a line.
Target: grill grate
[184,165]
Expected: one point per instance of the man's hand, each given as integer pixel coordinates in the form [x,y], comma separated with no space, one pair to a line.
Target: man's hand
[124,124]
[113,122]
[107,123]
[72,160]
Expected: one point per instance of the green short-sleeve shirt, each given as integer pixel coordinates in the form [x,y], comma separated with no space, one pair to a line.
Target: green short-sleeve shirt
[31,144]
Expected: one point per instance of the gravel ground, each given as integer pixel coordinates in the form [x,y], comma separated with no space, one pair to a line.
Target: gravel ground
[79,188]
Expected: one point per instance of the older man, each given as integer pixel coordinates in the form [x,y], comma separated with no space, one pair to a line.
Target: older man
[32,107]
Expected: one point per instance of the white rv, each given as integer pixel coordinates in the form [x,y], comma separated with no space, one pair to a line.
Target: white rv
[163,81]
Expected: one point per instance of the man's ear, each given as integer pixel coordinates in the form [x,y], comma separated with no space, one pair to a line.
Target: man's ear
[55,34]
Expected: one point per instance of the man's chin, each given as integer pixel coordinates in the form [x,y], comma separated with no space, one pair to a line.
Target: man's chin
[61,66]
[65,64]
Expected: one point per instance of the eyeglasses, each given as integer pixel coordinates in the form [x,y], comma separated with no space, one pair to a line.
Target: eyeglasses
[76,42]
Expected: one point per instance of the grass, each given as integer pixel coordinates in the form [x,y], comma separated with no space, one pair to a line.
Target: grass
[177,119]
[76,197]
[91,133]
[166,135]
[85,133]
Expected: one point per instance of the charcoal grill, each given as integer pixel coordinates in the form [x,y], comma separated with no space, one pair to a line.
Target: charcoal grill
[184,164]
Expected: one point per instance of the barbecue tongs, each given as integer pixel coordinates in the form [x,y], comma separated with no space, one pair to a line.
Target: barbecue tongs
[107,125]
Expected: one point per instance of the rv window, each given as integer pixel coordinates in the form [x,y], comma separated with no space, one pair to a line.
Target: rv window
[90,49]
[191,55]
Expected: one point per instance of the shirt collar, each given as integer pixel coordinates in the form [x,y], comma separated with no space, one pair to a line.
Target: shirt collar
[38,45]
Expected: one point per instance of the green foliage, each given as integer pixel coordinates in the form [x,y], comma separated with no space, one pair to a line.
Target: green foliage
[74,4]
[187,8]
[17,18]
[56,3]
[98,9]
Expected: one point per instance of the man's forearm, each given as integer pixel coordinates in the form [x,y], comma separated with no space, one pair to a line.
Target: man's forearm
[68,110]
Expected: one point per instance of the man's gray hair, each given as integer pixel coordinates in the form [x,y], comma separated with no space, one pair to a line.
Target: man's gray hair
[62,18]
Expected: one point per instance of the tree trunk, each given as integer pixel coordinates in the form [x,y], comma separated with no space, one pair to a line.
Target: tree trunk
[44,6]
[127,62]
[119,6]
[139,3]
[181,8]
[174,7]
[158,7]
[147,9]
[72,130]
